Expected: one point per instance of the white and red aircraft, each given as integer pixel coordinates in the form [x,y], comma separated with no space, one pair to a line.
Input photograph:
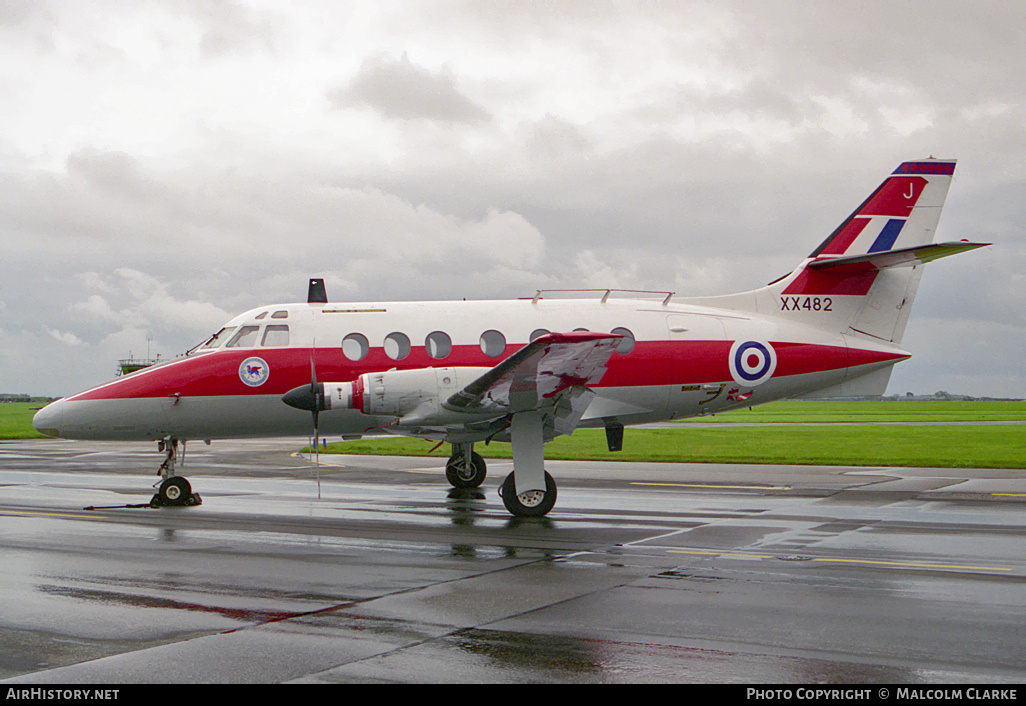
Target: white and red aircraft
[528,370]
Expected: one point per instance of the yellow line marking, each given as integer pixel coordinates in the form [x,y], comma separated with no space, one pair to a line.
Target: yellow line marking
[871,562]
[1011,495]
[913,565]
[700,485]
[50,514]
[729,555]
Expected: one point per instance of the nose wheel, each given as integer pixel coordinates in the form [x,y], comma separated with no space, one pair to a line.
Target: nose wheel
[174,490]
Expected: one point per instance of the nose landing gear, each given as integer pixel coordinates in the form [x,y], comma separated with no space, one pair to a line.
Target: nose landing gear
[465,469]
[174,490]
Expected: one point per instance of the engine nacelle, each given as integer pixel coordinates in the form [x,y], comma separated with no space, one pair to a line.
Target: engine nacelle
[412,396]
[399,393]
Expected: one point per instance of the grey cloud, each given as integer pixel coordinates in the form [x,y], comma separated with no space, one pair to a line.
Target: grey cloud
[940,48]
[401,89]
[19,12]
[227,27]
[701,147]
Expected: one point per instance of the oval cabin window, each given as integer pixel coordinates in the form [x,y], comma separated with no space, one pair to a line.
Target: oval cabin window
[626,344]
[493,344]
[397,345]
[355,346]
[438,344]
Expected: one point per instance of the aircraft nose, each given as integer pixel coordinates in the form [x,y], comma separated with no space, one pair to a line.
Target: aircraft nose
[47,420]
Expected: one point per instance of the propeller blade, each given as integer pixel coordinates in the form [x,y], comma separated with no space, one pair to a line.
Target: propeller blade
[317,454]
[318,398]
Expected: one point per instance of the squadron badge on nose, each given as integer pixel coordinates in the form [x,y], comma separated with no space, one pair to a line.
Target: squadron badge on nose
[254,371]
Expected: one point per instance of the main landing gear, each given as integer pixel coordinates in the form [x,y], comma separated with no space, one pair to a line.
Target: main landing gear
[174,490]
[467,469]
[533,503]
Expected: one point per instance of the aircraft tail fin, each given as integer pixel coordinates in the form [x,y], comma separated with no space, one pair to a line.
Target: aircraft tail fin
[902,212]
[863,277]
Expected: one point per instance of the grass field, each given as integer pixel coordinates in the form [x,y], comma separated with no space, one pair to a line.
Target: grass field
[833,412]
[910,433]
[958,446]
[827,433]
[16,420]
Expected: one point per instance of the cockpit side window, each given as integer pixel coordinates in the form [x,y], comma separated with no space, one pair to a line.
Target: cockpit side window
[220,337]
[245,338]
[276,336]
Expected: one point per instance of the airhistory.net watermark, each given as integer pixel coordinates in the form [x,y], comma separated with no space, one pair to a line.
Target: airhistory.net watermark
[41,694]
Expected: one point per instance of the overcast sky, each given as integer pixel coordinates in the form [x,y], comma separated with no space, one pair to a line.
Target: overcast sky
[168,164]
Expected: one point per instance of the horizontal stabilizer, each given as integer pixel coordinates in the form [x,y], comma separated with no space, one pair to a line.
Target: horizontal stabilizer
[903,257]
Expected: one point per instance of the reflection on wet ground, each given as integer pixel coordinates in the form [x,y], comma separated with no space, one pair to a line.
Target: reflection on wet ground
[710,574]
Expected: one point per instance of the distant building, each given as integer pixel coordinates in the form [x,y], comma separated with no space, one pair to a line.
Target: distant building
[131,365]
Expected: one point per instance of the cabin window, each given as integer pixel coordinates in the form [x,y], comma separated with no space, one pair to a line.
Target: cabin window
[438,344]
[493,344]
[245,338]
[626,344]
[397,345]
[276,336]
[220,337]
[538,333]
[355,346]
[280,315]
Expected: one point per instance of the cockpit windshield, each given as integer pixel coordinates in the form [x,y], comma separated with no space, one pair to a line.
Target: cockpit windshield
[220,337]
[245,338]
[214,341]
[275,336]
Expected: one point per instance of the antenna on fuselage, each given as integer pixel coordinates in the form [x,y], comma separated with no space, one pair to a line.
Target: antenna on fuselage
[317,294]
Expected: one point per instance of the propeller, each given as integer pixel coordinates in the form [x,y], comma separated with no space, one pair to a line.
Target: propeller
[318,394]
[310,398]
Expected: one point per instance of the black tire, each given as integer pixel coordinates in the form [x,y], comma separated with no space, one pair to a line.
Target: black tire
[531,504]
[174,491]
[460,476]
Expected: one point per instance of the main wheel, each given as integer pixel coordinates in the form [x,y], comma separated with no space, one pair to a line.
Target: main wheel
[461,474]
[533,503]
[174,491]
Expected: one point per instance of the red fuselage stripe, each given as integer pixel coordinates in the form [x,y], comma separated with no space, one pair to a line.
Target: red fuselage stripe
[650,363]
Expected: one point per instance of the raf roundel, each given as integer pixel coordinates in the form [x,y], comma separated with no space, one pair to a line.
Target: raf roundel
[752,362]
[254,371]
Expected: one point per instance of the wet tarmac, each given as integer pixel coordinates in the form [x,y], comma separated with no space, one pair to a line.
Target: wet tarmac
[642,572]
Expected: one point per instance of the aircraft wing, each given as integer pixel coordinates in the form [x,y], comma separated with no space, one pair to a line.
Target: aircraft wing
[533,377]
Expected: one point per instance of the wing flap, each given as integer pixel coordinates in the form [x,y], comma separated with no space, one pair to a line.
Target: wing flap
[538,372]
